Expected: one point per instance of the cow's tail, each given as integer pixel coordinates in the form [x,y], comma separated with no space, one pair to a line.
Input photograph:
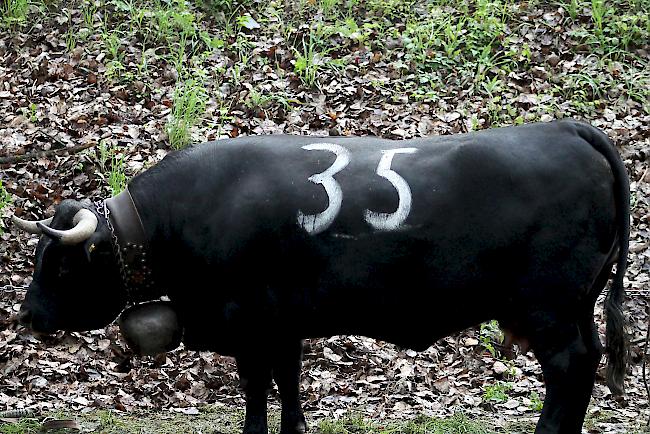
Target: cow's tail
[617,345]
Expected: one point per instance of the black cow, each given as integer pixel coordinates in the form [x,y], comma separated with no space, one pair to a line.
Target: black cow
[260,242]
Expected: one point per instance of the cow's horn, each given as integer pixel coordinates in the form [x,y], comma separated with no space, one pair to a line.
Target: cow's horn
[85,223]
[31,227]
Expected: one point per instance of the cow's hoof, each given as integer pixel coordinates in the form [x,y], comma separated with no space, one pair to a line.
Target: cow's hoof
[255,425]
[293,423]
[256,429]
[300,429]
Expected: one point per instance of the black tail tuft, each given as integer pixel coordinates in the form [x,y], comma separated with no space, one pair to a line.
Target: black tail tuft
[617,342]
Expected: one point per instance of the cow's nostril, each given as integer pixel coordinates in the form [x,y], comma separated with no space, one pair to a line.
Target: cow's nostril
[25,317]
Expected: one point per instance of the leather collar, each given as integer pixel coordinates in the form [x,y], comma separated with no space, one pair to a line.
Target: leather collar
[131,248]
[125,218]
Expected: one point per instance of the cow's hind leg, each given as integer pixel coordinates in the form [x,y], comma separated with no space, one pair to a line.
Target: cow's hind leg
[255,380]
[569,355]
[286,373]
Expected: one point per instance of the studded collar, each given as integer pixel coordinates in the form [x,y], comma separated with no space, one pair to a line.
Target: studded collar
[130,247]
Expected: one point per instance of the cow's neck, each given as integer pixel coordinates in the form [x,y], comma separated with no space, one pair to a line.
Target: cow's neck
[130,247]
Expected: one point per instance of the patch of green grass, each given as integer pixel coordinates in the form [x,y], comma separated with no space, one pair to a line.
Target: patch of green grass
[614,27]
[636,86]
[500,112]
[243,49]
[13,12]
[520,426]
[346,425]
[107,419]
[459,423]
[391,9]
[5,199]
[103,155]
[176,24]
[330,8]
[423,42]
[490,334]
[23,426]
[496,393]
[88,10]
[167,31]
[209,419]
[257,99]
[189,102]
[351,30]
[72,34]
[112,42]
[605,416]
[183,24]
[572,7]
[229,421]
[492,86]
[30,112]
[428,88]
[599,11]
[112,47]
[117,176]
[307,62]
[114,173]
[584,89]
[536,403]
[466,44]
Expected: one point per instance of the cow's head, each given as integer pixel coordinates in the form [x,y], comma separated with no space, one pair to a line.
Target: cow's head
[76,284]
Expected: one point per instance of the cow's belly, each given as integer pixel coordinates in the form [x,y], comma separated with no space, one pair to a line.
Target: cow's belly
[445,286]
[411,303]
[407,329]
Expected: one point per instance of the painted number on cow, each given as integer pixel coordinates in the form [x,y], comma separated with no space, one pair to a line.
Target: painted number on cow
[390,221]
[316,223]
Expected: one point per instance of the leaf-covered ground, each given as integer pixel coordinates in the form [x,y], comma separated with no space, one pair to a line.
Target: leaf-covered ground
[92,93]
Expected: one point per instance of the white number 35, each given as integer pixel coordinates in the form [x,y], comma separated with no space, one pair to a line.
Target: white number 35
[316,223]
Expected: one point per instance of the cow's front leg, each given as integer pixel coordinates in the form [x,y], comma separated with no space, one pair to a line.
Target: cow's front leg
[286,373]
[255,380]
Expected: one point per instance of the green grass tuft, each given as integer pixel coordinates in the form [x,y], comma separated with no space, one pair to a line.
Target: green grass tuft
[491,336]
[13,12]
[497,393]
[23,426]
[189,102]
[117,179]
[536,402]
[5,199]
